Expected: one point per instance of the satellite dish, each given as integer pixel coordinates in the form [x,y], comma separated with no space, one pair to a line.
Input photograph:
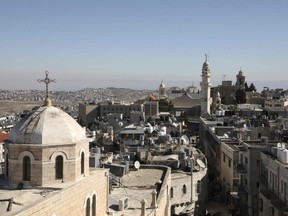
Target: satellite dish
[137,165]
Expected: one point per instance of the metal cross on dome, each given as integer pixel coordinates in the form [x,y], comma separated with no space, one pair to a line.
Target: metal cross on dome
[47,80]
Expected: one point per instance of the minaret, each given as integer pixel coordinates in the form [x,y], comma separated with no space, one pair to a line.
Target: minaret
[162,91]
[205,88]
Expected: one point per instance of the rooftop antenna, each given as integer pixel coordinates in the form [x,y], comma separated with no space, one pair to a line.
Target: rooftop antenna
[224,77]
[47,80]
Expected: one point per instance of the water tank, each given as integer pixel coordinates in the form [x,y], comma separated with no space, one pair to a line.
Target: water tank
[279,150]
[163,129]
[93,133]
[284,156]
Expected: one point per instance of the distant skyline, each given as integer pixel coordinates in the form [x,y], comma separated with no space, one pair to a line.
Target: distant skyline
[136,44]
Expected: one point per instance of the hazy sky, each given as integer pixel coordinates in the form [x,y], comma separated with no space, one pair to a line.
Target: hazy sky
[136,44]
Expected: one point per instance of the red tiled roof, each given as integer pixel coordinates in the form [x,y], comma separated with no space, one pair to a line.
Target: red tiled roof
[3,136]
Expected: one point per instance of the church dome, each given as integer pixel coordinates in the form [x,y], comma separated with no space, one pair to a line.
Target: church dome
[47,125]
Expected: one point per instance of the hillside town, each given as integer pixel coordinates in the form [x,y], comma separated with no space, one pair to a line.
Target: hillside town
[213,150]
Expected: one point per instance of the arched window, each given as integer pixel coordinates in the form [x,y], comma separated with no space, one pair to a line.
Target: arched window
[59,167]
[82,163]
[7,165]
[26,168]
[184,189]
[171,193]
[88,207]
[94,205]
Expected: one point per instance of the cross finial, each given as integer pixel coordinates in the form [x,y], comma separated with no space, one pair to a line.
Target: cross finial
[47,80]
[206,57]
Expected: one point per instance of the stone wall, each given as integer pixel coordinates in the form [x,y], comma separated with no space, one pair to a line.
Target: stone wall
[72,200]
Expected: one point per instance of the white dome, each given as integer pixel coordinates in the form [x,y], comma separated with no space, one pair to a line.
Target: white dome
[47,125]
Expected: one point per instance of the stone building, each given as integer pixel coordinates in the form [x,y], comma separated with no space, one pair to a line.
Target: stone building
[47,155]
[273,198]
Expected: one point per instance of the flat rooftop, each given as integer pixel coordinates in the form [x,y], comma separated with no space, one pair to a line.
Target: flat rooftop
[24,198]
[136,186]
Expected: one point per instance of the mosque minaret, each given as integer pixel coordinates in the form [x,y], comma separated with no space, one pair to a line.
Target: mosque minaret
[205,88]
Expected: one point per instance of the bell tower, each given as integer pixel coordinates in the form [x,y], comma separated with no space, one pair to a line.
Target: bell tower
[205,88]
[240,83]
[162,91]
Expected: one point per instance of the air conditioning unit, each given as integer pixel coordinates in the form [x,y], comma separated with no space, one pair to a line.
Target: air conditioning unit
[123,204]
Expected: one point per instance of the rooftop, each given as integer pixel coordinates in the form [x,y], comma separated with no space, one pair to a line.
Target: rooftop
[136,186]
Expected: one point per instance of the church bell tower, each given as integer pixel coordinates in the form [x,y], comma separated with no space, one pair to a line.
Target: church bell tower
[205,88]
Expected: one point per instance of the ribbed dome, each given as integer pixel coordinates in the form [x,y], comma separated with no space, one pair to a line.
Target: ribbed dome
[47,125]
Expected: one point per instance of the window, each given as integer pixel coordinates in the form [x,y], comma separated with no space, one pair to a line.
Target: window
[88,207]
[229,162]
[171,193]
[184,189]
[26,168]
[246,160]
[198,188]
[94,205]
[59,167]
[224,158]
[82,163]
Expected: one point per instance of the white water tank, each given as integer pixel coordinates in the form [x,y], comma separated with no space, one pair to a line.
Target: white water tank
[163,129]
[218,112]
[93,133]
[278,152]
[284,156]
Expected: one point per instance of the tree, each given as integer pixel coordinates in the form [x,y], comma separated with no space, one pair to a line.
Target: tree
[240,96]
[165,105]
[252,87]
[246,87]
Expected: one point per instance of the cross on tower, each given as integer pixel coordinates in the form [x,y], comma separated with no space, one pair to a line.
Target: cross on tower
[47,80]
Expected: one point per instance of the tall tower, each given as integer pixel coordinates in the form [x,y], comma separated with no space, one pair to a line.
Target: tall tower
[240,83]
[205,88]
[162,91]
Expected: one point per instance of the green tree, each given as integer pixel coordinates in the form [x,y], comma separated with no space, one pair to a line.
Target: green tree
[246,87]
[252,87]
[240,96]
[165,105]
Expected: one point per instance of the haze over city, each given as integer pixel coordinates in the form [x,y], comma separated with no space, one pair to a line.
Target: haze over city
[137,44]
